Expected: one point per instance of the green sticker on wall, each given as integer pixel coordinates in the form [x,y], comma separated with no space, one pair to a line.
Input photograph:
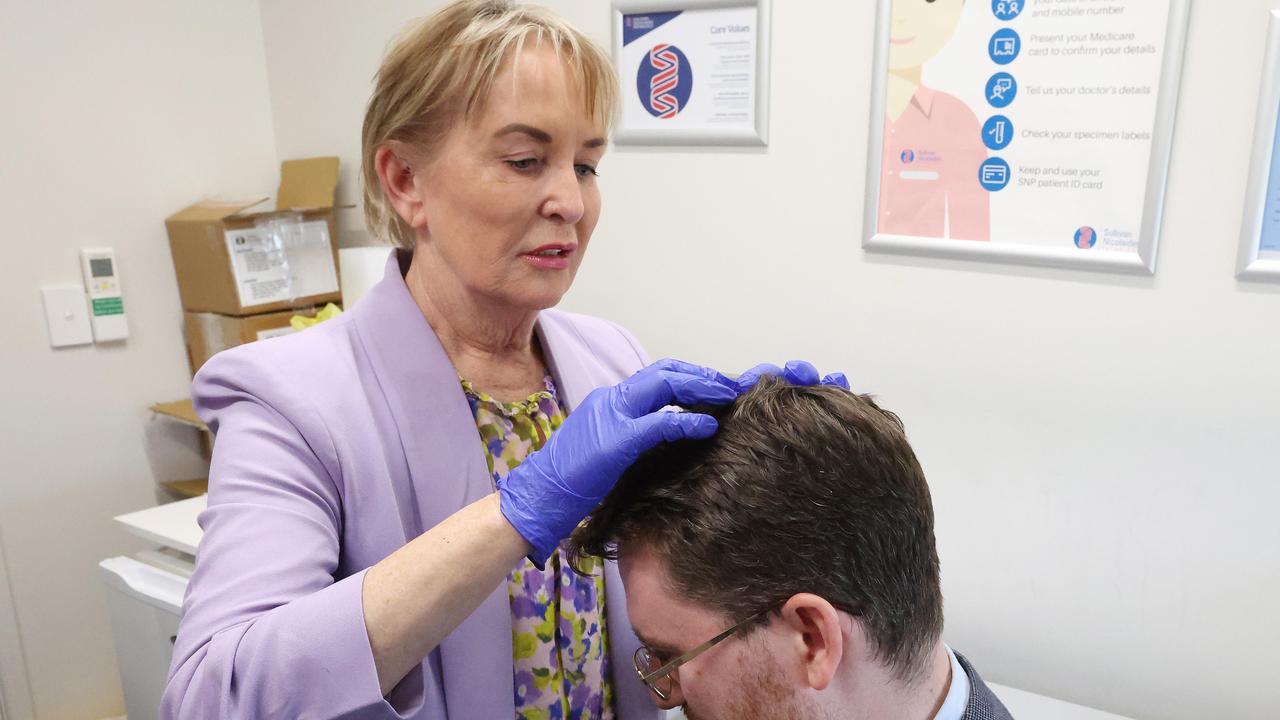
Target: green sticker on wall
[108,306]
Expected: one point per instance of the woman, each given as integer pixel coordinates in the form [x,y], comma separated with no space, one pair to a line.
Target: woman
[383,522]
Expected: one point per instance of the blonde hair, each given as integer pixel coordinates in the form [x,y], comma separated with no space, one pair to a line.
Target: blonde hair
[440,71]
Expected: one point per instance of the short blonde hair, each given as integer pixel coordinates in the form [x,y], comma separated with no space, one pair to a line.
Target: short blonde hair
[441,70]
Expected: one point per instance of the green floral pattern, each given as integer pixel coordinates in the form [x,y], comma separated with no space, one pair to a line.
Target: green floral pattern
[558,633]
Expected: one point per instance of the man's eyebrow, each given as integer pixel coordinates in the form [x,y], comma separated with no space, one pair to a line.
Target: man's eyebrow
[655,646]
[543,136]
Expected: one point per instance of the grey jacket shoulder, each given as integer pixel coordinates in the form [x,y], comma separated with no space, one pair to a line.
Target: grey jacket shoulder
[983,704]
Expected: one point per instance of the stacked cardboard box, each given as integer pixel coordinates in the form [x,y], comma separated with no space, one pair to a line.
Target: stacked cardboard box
[244,273]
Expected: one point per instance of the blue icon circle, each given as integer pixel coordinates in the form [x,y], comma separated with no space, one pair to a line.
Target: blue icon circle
[994,174]
[1001,90]
[1008,9]
[1004,46]
[665,81]
[908,157]
[1086,237]
[997,133]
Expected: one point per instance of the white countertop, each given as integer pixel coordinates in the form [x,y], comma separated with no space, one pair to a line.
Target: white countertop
[1029,706]
[171,525]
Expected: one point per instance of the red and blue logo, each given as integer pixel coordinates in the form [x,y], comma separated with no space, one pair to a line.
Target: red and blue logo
[665,81]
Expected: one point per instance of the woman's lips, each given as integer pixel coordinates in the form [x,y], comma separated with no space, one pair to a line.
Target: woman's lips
[901,41]
[542,260]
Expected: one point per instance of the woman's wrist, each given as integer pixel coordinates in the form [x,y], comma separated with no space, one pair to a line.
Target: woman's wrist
[504,528]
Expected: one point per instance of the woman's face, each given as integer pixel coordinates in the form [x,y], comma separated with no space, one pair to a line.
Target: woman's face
[511,199]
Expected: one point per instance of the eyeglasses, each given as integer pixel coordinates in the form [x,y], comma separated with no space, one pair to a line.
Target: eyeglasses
[661,678]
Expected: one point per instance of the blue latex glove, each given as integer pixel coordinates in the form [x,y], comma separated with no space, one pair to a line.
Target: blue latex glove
[552,490]
[796,372]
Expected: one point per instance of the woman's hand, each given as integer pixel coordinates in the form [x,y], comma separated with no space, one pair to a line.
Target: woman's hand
[546,496]
[796,372]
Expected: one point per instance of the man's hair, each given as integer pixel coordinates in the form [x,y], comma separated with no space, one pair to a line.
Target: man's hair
[802,490]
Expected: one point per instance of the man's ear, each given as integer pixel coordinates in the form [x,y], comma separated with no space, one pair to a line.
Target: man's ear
[399,184]
[819,637]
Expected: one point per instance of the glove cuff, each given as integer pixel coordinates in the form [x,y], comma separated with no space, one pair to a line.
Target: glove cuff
[527,522]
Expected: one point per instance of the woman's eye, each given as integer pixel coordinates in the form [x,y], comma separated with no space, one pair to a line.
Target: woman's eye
[523,163]
[586,170]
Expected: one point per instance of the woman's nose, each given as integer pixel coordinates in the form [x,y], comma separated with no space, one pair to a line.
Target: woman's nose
[565,203]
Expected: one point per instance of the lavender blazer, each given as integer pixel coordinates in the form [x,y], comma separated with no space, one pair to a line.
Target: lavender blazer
[335,447]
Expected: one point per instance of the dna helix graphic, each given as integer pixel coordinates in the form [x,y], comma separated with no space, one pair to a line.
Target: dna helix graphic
[666,79]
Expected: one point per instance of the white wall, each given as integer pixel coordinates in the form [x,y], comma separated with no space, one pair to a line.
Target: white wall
[115,115]
[1102,449]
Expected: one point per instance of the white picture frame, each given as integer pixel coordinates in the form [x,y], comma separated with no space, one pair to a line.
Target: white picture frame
[636,129]
[1264,169]
[1142,262]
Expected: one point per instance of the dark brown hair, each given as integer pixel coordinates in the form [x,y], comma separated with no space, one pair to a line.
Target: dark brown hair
[803,489]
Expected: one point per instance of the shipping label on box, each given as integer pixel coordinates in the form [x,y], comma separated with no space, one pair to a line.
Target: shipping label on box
[282,259]
[208,334]
[275,332]
[232,260]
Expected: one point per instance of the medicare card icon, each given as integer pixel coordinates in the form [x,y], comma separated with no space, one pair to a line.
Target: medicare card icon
[1005,46]
[994,174]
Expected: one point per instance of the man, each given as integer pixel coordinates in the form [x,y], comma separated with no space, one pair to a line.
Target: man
[786,568]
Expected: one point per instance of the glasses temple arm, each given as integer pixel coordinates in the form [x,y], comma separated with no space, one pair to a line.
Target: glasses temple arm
[672,665]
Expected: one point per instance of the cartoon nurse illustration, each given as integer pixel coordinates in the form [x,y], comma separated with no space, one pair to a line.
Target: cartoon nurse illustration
[933,142]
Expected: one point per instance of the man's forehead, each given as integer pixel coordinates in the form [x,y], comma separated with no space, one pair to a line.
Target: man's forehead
[658,613]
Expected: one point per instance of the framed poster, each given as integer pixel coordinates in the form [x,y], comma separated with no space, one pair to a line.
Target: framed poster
[692,72]
[1260,231]
[1026,131]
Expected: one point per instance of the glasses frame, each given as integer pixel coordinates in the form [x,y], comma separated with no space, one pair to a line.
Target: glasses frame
[650,679]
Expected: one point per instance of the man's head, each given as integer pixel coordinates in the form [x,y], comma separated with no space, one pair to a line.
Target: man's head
[809,503]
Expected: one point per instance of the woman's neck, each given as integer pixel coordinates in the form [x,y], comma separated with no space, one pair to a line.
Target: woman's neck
[490,344]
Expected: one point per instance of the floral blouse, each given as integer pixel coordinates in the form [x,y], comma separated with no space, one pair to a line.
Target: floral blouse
[561,649]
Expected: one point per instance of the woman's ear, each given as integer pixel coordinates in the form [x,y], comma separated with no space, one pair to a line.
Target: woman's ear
[400,185]
[818,635]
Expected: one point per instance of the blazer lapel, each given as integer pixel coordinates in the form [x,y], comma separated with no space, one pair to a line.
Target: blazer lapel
[567,354]
[448,471]
[565,359]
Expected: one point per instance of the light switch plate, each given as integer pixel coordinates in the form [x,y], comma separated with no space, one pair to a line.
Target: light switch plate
[67,315]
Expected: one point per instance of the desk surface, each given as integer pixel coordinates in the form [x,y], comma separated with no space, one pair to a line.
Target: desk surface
[171,525]
[1023,704]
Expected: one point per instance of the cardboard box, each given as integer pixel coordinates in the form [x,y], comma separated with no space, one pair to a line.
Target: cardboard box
[184,412]
[232,261]
[209,333]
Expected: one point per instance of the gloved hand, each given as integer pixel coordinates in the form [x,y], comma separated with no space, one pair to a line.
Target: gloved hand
[796,372]
[552,490]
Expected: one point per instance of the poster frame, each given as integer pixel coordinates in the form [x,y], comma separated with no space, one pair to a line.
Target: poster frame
[1143,262]
[1250,266]
[743,137]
